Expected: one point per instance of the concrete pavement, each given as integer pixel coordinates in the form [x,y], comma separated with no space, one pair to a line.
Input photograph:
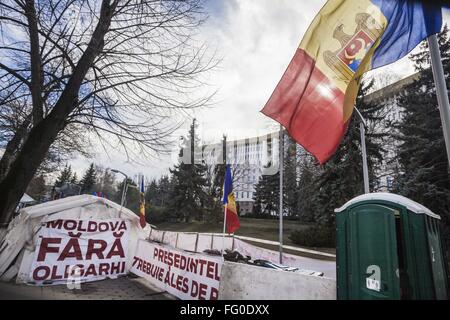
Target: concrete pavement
[124,288]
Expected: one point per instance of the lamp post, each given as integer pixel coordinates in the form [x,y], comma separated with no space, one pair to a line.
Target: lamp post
[441,89]
[280,228]
[362,129]
[125,185]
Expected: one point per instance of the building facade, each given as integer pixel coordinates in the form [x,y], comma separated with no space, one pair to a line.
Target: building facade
[388,97]
[249,159]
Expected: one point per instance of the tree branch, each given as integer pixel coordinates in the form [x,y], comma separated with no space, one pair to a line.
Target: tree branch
[36,65]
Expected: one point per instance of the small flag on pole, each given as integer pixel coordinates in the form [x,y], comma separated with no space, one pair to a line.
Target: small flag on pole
[142,203]
[231,216]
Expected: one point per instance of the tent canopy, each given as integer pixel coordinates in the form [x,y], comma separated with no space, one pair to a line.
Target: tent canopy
[26,199]
[17,246]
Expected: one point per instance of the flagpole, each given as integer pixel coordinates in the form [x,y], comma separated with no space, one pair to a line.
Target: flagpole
[441,89]
[224,226]
[362,130]
[281,193]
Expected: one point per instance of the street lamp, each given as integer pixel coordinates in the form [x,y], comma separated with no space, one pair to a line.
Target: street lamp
[125,185]
[362,130]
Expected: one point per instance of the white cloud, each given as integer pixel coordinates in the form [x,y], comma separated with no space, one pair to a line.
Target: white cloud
[257,39]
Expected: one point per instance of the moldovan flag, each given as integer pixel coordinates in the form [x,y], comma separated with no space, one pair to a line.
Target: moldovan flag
[142,203]
[231,217]
[314,99]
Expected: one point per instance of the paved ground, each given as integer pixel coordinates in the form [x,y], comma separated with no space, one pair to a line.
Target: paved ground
[309,259]
[297,250]
[125,288]
[327,267]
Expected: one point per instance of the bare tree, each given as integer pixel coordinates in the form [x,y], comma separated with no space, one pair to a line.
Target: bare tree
[382,79]
[120,69]
[14,128]
[106,181]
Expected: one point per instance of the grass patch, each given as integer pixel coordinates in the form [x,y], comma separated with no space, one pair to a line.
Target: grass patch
[266,229]
[314,236]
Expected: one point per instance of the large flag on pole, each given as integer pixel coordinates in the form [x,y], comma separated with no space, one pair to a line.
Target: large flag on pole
[231,217]
[142,203]
[314,99]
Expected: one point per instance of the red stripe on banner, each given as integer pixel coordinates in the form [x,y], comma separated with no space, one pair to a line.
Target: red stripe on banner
[232,221]
[310,106]
[142,221]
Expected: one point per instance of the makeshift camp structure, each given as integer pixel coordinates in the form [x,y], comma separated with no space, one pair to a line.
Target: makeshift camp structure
[18,244]
[26,199]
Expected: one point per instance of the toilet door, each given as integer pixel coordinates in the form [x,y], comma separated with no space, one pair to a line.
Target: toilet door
[372,256]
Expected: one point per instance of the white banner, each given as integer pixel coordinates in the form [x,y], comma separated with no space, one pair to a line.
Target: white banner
[80,250]
[187,276]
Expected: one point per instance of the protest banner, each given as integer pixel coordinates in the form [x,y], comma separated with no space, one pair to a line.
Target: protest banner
[188,276]
[84,250]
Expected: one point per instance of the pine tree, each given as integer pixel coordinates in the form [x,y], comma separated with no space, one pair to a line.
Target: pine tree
[158,191]
[308,175]
[188,197]
[64,176]
[341,178]
[165,187]
[74,179]
[219,171]
[424,175]
[152,193]
[89,180]
[214,206]
[105,182]
[157,196]
[267,190]
[267,195]
[290,178]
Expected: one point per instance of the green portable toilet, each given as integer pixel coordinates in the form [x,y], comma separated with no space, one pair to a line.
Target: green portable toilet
[389,247]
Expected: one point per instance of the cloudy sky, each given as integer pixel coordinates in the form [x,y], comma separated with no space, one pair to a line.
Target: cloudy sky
[256,40]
